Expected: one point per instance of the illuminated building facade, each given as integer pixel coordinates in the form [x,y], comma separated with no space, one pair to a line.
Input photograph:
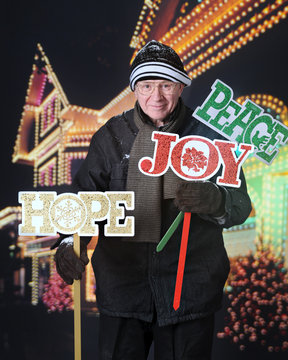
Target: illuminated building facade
[53,135]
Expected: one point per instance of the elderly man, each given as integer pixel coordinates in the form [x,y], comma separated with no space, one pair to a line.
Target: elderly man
[135,284]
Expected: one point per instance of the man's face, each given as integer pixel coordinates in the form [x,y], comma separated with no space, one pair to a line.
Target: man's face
[158,98]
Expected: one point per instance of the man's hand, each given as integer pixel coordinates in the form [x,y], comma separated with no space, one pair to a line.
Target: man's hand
[201,198]
[68,265]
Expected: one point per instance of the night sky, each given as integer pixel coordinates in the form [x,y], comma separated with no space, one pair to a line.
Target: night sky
[87,43]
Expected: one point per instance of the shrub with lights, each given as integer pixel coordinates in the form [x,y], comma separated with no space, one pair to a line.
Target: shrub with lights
[257,291]
[57,294]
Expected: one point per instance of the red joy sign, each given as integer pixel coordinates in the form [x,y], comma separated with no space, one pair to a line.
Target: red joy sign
[193,158]
[196,158]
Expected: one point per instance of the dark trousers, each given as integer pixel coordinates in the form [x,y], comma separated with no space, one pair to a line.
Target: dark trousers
[131,339]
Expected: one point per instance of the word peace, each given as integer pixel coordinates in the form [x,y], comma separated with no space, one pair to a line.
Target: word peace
[195,158]
[45,213]
[244,124]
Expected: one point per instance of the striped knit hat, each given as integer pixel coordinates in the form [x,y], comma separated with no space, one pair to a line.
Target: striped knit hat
[156,60]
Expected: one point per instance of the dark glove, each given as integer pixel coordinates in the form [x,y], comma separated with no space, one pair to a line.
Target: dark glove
[68,265]
[59,240]
[201,198]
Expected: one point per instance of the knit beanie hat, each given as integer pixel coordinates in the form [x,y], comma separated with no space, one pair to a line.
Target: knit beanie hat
[157,60]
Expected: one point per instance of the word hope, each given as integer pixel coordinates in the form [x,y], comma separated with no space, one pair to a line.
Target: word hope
[195,158]
[45,213]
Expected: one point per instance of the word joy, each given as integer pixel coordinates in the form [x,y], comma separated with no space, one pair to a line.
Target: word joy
[244,124]
[195,158]
[45,213]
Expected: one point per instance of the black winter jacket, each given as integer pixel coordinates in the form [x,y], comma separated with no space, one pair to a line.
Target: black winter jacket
[132,280]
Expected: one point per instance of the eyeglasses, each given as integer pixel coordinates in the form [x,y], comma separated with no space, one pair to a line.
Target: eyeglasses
[147,88]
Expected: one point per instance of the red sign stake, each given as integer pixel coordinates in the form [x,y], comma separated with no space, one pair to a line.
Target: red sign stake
[181,261]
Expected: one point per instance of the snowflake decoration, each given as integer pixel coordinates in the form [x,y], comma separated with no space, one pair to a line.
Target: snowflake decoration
[68,214]
[194,159]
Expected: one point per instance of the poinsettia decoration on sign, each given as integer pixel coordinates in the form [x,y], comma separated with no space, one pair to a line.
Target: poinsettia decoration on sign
[194,159]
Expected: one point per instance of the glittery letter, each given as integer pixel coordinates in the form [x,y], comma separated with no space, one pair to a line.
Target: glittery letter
[236,129]
[218,99]
[161,154]
[114,227]
[231,164]
[198,155]
[35,213]
[68,213]
[97,206]
[279,136]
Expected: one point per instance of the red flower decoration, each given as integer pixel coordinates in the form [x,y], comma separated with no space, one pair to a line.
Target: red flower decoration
[57,295]
[258,302]
[194,159]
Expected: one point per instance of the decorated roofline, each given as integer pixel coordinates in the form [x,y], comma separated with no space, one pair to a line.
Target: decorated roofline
[10,215]
[52,74]
[209,32]
[37,106]
[55,122]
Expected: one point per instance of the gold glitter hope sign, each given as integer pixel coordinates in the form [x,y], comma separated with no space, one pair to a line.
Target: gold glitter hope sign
[46,213]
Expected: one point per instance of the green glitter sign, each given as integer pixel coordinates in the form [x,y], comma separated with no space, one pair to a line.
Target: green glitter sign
[247,123]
